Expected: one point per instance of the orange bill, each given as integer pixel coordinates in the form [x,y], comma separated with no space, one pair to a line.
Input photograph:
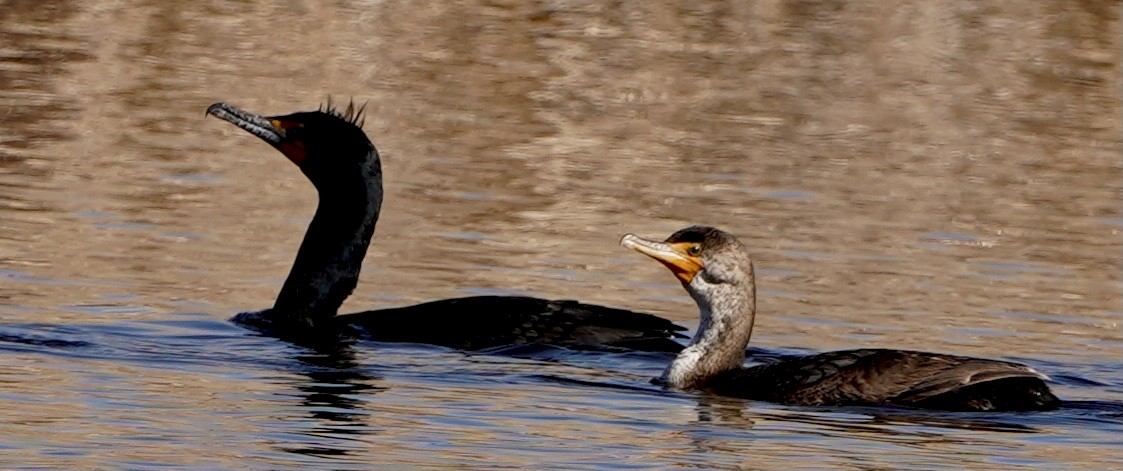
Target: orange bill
[673,256]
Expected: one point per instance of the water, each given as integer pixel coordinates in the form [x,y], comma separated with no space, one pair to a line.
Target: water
[939,175]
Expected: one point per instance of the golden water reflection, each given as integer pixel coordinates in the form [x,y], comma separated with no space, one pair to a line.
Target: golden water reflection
[930,175]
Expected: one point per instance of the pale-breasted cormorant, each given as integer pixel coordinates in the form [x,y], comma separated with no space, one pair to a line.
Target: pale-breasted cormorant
[716,270]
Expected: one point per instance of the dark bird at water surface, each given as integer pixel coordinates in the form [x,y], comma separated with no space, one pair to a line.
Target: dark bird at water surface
[331,149]
[715,268]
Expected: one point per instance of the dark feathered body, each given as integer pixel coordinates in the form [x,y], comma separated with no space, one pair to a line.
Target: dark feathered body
[890,377]
[479,322]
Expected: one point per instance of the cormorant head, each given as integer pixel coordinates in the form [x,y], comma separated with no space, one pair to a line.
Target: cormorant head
[325,143]
[699,256]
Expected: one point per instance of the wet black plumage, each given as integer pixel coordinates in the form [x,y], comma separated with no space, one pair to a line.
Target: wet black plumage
[480,322]
[330,148]
[883,376]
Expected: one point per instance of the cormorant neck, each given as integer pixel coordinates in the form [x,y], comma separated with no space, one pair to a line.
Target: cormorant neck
[327,266]
[727,311]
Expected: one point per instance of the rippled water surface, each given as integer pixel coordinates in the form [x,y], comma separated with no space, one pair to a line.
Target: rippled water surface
[940,175]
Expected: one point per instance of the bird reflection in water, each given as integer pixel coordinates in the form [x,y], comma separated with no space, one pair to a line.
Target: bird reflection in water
[333,391]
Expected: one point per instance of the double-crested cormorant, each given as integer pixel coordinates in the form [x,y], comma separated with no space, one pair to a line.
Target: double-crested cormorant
[332,150]
[717,271]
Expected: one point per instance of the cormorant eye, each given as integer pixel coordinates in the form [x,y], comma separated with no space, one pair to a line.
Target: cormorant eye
[694,250]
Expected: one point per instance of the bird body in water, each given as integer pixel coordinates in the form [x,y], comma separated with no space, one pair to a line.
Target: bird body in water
[715,268]
[331,149]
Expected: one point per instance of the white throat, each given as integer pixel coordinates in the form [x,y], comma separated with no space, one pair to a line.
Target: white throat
[726,321]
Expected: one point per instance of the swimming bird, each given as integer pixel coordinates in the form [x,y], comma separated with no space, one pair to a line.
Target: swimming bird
[332,151]
[715,268]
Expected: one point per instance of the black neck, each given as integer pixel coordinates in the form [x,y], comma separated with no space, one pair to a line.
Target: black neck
[327,266]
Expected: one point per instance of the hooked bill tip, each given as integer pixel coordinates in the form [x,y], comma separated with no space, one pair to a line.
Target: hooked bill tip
[214,108]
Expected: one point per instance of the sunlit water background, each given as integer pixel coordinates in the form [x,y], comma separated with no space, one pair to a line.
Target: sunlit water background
[941,175]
